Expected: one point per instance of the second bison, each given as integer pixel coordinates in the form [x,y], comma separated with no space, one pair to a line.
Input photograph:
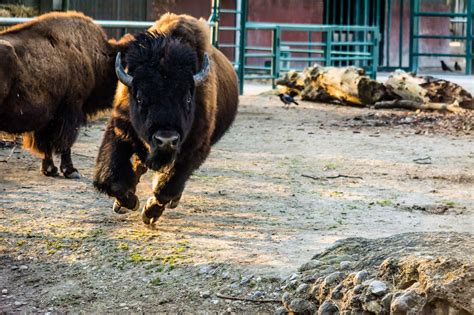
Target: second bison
[177,98]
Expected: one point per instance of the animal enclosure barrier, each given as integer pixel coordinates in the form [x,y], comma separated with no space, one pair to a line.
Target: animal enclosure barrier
[452,37]
[330,45]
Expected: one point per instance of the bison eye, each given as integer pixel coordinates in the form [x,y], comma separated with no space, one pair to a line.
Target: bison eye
[139,100]
[188,102]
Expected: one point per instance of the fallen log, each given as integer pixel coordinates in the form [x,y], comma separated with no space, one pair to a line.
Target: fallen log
[350,86]
[413,105]
[329,84]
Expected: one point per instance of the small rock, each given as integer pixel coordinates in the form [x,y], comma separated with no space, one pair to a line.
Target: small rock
[333,278]
[386,302]
[337,292]
[302,306]
[293,276]
[205,294]
[4,291]
[328,308]
[259,279]
[360,276]
[225,275]
[123,304]
[303,288]
[23,267]
[312,264]
[358,288]
[408,302]
[329,269]
[204,269]
[19,303]
[281,311]
[257,294]
[309,278]
[377,288]
[215,301]
[246,280]
[14,267]
[373,306]
[345,265]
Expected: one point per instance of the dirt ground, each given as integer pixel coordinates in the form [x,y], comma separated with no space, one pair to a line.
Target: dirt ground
[280,186]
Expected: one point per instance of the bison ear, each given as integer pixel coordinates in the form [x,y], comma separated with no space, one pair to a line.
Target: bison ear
[123,76]
[201,76]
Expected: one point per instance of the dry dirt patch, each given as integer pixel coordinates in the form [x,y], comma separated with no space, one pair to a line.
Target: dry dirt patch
[247,220]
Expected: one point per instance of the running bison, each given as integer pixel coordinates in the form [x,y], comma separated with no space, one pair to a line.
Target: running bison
[55,71]
[178,98]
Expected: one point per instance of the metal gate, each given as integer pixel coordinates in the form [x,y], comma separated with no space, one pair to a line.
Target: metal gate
[390,16]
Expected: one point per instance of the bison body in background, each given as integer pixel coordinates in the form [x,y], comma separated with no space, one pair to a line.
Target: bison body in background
[179,97]
[55,71]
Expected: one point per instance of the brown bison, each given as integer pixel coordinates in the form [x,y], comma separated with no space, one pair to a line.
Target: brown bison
[178,98]
[55,71]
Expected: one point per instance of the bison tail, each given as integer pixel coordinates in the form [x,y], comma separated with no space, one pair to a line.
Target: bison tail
[30,144]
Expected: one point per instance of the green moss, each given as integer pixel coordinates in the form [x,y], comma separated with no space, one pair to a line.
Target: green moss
[156,281]
[138,258]
[123,246]
[385,202]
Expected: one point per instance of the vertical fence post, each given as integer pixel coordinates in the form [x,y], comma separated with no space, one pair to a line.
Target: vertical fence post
[328,48]
[413,31]
[242,45]
[469,38]
[276,54]
[375,53]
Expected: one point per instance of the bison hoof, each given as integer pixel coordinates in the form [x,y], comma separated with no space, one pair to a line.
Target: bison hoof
[120,209]
[152,211]
[50,170]
[174,203]
[73,175]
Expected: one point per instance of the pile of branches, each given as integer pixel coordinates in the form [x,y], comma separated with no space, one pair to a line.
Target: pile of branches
[350,86]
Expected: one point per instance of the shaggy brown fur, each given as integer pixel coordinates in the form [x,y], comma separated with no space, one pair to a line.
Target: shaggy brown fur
[54,72]
[215,109]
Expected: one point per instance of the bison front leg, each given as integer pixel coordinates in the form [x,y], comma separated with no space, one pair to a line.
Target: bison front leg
[115,175]
[167,192]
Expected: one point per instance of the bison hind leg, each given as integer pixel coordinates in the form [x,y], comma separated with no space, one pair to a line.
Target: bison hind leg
[39,145]
[66,131]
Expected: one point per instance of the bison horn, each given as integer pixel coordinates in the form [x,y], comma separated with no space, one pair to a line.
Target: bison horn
[123,76]
[201,76]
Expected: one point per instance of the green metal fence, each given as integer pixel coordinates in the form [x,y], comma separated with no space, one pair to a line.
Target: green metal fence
[465,37]
[337,44]
[240,19]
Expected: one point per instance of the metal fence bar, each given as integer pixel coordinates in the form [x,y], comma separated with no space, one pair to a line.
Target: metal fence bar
[8,21]
[465,17]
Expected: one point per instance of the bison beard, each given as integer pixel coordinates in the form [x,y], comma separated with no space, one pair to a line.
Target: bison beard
[55,71]
[177,98]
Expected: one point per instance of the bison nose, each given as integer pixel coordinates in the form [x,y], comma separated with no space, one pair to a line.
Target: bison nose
[166,139]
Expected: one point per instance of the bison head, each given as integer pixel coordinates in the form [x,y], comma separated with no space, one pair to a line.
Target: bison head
[162,79]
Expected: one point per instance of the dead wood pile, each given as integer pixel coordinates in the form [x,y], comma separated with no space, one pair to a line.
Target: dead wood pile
[350,86]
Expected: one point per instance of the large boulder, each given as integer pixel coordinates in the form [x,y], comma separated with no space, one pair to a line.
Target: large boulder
[413,273]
